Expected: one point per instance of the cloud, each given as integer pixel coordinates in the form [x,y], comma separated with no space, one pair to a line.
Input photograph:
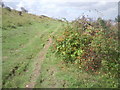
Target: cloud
[68,8]
[26,3]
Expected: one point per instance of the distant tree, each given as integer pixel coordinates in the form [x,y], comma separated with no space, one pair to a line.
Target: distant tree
[99,19]
[20,13]
[23,9]
[8,8]
[43,16]
[117,19]
[2,4]
[102,22]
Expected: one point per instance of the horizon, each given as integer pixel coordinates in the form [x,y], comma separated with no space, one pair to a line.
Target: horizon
[68,9]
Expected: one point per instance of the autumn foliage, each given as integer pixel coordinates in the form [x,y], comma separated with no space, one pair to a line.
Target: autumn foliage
[90,45]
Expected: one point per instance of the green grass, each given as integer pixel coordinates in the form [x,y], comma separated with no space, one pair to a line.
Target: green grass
[56,74]
[22,45]
[20,49]
[23,37]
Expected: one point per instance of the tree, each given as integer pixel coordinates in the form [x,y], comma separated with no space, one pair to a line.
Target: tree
[101,22]
[117,19]
[8,8]
[23,9]
[2,4]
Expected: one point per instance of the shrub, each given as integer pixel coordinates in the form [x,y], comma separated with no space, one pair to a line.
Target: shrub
[91,49]
[8,8]
[23,9]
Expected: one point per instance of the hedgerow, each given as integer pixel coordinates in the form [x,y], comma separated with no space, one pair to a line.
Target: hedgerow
[88,47]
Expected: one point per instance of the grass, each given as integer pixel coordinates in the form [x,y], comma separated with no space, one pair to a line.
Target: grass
[56,74]
[0,48]
[23,37]
[19,51]
[21,46]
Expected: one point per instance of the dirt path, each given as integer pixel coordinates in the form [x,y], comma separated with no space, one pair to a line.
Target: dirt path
[39,61]
[37,69]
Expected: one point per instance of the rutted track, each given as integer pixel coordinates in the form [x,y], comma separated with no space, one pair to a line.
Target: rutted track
[37,70]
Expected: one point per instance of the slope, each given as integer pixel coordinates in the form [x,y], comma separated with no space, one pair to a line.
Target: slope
[23,39]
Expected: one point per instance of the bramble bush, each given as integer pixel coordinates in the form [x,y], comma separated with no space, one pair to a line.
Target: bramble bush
[89,47]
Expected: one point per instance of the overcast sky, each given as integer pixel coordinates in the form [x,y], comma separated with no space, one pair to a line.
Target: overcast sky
[69,9]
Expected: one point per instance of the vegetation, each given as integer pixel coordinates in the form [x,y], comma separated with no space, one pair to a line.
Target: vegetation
[23,9]
[90,49]
[22,40]
[117,18]
[83,54]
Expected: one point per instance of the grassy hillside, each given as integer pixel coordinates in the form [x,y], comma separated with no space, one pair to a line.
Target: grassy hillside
[23,38]
[38,52]
[61,69]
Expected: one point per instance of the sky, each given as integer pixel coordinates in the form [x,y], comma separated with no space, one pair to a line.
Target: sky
[69,9]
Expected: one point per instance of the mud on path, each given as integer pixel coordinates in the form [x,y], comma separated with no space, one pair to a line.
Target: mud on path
[38,64]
